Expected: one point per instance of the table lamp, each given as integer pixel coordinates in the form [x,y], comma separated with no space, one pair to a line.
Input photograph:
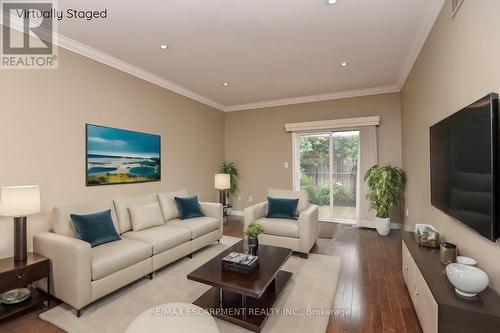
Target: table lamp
[222,183]
[19,201]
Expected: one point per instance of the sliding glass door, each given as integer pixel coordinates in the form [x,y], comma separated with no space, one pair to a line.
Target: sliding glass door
[314,170]
[326,165]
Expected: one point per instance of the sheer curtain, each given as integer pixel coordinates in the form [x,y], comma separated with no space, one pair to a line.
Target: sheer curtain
[368,157]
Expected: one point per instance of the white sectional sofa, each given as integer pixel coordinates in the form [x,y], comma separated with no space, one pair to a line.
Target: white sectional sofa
[81,274]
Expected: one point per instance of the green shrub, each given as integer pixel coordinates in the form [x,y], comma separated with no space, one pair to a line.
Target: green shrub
[321,196]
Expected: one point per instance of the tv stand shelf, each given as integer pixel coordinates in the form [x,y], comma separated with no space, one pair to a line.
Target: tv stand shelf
[454,313]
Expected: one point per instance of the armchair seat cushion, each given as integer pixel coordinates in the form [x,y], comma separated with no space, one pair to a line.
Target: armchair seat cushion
[280,227]
[199,226]
[161,238]
[111,257]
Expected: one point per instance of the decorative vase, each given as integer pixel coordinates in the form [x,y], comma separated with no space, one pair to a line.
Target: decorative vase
[448,253]
[383,226]
[253,244]
[467,280]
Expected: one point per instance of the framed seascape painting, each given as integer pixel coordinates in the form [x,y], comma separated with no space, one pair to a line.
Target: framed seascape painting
[117,156]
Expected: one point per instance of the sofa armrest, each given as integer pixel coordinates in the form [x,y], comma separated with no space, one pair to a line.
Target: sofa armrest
[71,267]
[215,210]
[253,213]
[308,228]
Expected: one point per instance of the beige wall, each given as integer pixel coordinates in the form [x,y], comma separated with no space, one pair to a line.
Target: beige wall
[256,139]
[42,134]
[459,63]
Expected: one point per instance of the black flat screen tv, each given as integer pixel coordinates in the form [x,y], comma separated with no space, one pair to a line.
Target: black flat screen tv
[464,152]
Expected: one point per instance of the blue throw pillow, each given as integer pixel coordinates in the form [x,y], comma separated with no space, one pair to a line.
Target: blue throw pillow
[96,228]
[281,208]
[189,207]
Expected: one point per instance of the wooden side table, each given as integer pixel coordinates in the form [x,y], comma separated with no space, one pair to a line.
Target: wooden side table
[226,211]
[18,274]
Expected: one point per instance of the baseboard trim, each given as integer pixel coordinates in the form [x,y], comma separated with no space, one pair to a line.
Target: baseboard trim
[395,225]
[237,212]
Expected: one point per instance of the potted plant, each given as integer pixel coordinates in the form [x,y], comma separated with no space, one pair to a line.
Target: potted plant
[253,231]
[230,169]
[386,184]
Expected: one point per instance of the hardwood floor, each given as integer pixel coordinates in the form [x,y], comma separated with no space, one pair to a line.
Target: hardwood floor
[371,295]
[371,285]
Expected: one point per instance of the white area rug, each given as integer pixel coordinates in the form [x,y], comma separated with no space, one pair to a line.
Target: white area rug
[312,286]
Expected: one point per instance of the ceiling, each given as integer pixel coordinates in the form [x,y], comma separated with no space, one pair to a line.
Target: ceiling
[270,52]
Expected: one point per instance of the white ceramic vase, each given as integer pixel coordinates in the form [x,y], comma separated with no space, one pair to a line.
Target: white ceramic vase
[383,226]
[468,280]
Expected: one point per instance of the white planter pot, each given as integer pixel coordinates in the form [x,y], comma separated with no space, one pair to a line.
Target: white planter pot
[468,280]
[383,226]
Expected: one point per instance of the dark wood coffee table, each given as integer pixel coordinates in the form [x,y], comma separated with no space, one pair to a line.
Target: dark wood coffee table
[244,300]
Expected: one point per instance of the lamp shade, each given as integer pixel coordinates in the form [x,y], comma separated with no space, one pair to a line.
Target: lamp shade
[222,181]
[19,200]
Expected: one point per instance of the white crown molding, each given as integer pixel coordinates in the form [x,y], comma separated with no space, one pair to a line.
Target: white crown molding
[314,98]
[123,66]
[89,52]
[420,42]
[109,60]
[333,124]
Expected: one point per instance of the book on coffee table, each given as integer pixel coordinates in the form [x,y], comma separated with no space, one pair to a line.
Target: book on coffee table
[240,262]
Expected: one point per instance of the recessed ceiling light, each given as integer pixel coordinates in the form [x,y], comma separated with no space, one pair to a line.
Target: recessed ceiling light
[332,2]
[225,84]
[163,46]
[344,64]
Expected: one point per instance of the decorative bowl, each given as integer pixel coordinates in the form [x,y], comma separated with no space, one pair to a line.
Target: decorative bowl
[466,261]
[427,236]
[15,296]
[467,280]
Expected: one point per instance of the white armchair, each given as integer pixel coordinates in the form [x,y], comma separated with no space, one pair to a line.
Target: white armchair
[299,235]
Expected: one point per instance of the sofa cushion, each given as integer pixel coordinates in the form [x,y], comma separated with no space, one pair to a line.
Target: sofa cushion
[161,238]
[189,207]
[168,205]
[302,195]
[96,228]
[111,257]
[280,227]
[145,216]
[198,226]
[63,225]
[122,205]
